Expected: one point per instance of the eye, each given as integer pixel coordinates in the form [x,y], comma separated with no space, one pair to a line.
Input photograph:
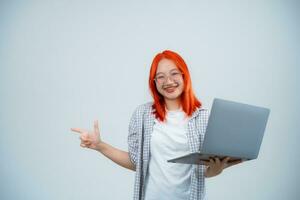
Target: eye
[160,77]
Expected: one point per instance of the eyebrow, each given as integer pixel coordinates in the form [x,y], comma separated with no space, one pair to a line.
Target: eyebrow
[169,71]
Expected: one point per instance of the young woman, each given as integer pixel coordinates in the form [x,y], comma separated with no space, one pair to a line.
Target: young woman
[173,124]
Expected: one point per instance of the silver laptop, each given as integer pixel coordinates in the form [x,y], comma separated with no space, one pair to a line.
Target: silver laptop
[234,129]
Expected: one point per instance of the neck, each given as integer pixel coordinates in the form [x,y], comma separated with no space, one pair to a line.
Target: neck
[173,104]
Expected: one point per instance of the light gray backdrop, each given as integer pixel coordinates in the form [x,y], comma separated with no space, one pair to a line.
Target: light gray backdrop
[65,63]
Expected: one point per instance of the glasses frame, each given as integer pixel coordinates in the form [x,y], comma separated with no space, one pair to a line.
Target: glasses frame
[167,76]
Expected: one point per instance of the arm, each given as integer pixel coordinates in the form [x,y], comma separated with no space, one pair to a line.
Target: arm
[92,140]
[116,155]
[123,158]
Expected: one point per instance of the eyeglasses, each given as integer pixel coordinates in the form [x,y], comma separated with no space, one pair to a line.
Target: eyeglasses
[161,78]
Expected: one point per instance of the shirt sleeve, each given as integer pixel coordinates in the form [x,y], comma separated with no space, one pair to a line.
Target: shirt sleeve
[133,137]
[204,119]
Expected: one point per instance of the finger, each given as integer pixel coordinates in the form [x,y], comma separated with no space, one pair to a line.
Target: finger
[87,143]
[83,145]
[207,163]
[84,139]
[78,130]
[211,161]
[217,160]
[234,163]
[96,127]
[225,160]
[84,136]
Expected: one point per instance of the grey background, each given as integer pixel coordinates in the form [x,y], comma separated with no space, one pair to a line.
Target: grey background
[65,63]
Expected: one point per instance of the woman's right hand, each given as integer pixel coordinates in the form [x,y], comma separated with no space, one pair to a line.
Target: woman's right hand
[89,139]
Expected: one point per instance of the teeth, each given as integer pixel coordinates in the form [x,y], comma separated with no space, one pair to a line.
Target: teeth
[170,89]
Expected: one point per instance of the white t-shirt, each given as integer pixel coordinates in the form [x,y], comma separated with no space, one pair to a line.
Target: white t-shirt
[167,180]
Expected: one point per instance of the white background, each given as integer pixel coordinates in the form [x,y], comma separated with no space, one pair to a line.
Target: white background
[66,63]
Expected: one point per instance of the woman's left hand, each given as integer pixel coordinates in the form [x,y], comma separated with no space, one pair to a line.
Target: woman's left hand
[216,166]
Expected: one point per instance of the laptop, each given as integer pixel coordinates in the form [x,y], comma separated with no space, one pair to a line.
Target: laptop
[234,129]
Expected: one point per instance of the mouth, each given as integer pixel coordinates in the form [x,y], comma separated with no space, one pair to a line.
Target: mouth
[170,89]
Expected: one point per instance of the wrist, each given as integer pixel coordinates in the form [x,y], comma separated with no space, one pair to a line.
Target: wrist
[100,147]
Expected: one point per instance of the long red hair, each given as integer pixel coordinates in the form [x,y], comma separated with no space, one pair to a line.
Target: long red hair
[189,101]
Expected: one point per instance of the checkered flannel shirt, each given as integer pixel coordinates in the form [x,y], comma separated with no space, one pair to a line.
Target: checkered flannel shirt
[140,129]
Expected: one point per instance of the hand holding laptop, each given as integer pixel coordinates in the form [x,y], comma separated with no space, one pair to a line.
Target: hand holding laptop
[217,165]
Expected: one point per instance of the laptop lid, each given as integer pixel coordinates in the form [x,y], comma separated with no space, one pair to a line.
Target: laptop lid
[235,129]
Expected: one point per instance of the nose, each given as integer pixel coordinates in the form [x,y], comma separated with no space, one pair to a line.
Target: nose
[169,80]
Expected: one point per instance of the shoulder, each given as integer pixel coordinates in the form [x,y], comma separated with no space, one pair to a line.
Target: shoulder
[202,114]
[204,110]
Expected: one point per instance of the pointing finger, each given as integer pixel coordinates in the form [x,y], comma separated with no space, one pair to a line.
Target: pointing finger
[78,130]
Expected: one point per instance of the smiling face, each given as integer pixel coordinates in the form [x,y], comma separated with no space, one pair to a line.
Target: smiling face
[169,80]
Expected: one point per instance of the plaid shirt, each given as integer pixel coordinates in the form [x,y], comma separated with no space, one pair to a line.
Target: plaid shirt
[140,129]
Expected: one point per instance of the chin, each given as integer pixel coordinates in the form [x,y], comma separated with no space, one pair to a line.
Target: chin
[173,96]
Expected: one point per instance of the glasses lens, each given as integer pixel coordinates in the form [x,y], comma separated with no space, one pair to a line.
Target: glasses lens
[160,79]
[173,76]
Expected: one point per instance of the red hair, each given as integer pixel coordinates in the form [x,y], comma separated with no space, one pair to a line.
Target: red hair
[189,101]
